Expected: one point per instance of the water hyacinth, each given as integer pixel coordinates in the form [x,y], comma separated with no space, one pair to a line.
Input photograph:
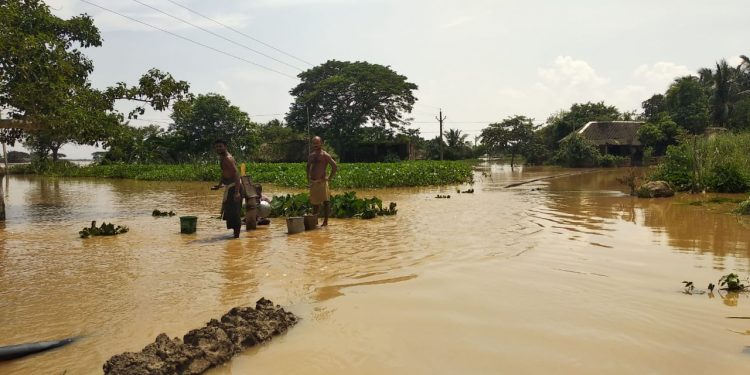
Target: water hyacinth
[350,175]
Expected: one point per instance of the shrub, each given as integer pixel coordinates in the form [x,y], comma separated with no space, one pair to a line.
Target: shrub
[577,152]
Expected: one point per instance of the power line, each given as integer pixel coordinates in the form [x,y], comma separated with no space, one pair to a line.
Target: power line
[217,35]
[240,32]
[190,40]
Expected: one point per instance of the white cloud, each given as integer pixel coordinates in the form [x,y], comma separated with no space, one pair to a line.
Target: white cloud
[222,86]
[570,73]
[660,73]
[456,22]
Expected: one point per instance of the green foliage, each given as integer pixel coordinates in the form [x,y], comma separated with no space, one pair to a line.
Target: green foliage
[290,205]
[654,107]
[577,152]
[720,163]
[147,144]
[199,121]
[104,230]
[687,104]
[341,96]
[514,136]
[345,205]
[565,122]
[609,161]
[660,133]
[743,208]
[739,118]
[728,177]
[44,81]
[732,283]
[356,175]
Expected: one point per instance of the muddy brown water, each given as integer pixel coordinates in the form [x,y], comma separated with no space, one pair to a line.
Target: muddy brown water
[565,275]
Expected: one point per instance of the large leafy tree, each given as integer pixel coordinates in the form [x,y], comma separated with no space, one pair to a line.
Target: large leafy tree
[44,80]
[660,133]
[199,121]
[513,136]
[341,96]
[688,104]
[653,107]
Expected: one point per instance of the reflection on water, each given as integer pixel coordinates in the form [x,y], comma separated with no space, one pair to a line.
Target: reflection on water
[560,274]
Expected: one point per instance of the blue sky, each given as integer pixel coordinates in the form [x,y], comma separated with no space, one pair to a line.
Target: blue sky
[480,61]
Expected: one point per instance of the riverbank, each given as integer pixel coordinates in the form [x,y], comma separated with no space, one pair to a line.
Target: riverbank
[350,175]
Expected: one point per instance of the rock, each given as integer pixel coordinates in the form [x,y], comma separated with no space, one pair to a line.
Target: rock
[210,346]
[654,189]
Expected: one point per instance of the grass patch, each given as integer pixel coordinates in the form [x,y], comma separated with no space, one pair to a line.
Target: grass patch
[350,175]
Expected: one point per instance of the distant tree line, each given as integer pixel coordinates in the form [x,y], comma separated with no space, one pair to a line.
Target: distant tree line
[361,109]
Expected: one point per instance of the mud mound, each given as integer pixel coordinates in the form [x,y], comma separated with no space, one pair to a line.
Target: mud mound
[203,348]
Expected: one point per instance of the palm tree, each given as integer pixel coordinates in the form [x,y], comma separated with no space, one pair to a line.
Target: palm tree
[722,93]
[455,139]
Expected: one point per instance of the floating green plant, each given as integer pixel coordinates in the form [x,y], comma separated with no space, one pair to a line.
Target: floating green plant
[162,213]
[104,230]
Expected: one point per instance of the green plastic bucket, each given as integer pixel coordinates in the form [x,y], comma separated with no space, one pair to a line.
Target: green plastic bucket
[188,224]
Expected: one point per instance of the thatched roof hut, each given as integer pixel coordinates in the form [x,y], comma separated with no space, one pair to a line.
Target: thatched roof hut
[612,133]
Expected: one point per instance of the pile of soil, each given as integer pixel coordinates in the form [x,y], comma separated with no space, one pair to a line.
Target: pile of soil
[203,348]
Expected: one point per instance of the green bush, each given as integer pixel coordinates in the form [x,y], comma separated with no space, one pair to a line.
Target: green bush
[577,152]
[676,168]
[726,178]
[609,161]
[720,163]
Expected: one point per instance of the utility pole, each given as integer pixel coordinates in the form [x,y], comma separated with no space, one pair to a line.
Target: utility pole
[441,119]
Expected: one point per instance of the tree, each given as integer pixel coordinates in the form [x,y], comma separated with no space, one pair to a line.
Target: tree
[44,84]
[457,145]
[653,107]
[145,144]
[687,104]
[512,135]
[199,121]
[660,134]
[340,97]
[722,93]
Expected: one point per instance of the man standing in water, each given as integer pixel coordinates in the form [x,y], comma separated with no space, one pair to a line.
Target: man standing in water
[230,180]
[317,163]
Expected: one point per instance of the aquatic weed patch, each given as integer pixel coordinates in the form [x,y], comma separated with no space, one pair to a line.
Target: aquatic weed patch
[104,230]
[345,205]
[350,175]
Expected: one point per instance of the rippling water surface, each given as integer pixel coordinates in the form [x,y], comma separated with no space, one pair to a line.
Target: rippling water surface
[566,274]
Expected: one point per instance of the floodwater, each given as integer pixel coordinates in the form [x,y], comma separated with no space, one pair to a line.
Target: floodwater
[563,275]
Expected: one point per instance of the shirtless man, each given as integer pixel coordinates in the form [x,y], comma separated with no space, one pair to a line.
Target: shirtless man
[230,180]
[317,163]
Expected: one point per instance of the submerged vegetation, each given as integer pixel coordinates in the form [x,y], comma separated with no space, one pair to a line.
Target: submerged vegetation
[345,205]
[730,282]
[350,175]
[162,213]
[743,208]
[104,230]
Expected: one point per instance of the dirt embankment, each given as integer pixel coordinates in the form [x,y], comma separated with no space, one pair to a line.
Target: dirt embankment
[203,348]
